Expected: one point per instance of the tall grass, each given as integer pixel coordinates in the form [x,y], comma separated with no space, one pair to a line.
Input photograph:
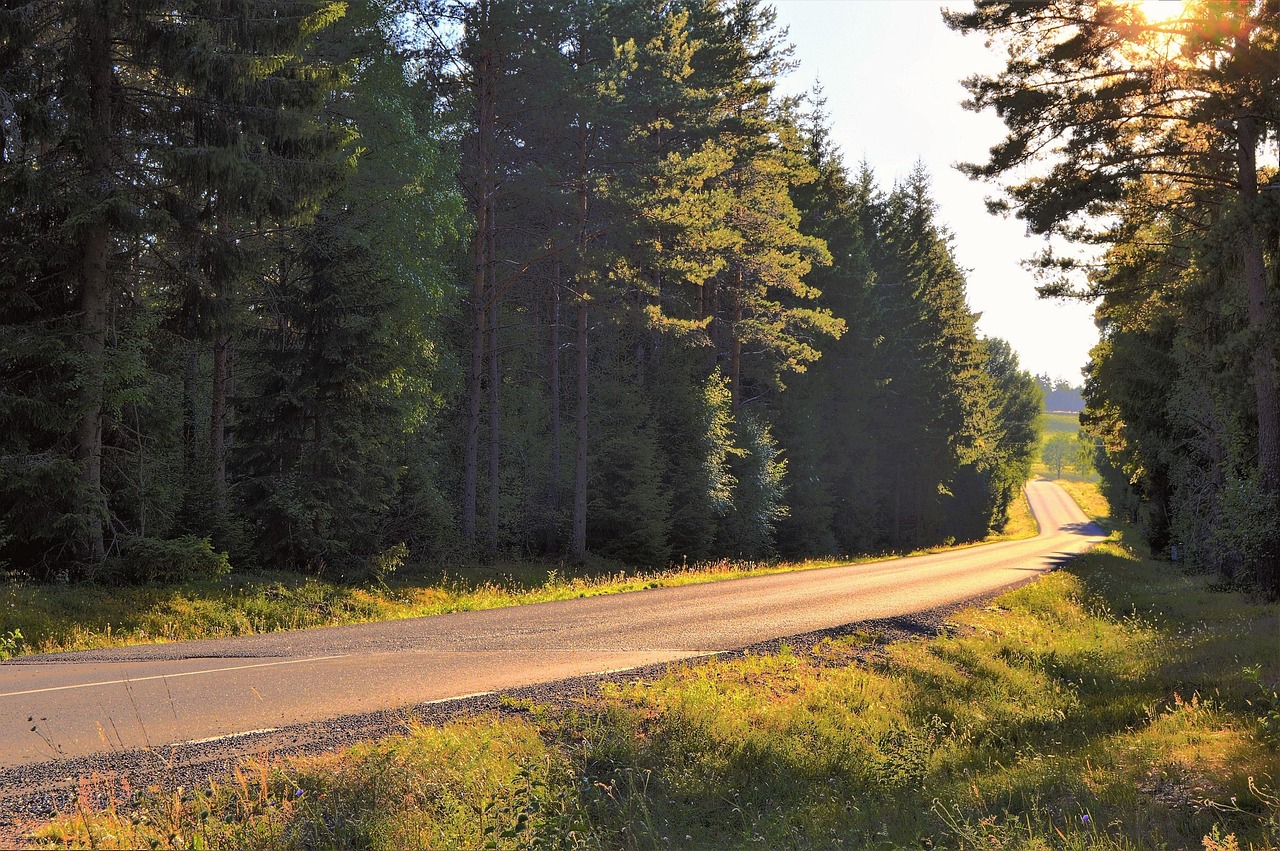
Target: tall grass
[1105,706]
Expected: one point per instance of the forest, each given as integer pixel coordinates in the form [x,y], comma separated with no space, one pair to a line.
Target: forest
[327,286]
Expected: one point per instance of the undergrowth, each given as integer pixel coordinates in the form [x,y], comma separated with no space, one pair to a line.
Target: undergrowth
[1114,704]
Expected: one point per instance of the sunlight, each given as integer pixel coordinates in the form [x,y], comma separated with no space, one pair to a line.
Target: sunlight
[1161,10]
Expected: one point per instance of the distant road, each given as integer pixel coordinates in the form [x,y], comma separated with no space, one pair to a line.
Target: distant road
[145,697]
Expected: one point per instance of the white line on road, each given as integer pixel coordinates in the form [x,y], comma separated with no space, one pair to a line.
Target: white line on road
[226,736]
[174,676]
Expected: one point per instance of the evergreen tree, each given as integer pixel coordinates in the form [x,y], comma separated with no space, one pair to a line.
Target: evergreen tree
[936,422]
[1018,412]
[340,362]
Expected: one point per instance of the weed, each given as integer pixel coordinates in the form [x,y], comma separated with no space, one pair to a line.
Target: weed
[11,644]
[1266,701]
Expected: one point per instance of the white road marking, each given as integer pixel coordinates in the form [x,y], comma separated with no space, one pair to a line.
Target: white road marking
[173,676]
[458,697]
[226,736]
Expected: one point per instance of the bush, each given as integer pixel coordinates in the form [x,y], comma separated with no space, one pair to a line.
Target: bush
[1246,528]
[155,560]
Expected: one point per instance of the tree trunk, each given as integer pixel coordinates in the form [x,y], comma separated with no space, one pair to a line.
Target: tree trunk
[579,545]
[495,379]
[897,505]
[1261,326]
[95,297]
[655,333]
[218,420]
[484,127]
[553,367]
[189,369]
[579,548]
[474,378]
[735,349]
[713,328]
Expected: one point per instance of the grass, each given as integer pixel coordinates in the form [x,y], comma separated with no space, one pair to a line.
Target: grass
[49,618]
[1060,423]
[1090,499]
[1105,706]
[1022,523]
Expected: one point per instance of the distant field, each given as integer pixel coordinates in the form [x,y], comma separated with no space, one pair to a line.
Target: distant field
[1055,423]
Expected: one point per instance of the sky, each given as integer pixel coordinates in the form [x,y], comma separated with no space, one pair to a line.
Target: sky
[891,72]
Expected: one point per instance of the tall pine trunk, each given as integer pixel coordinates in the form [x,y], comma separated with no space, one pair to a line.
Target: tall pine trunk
[475,377]
[189,369]
[1261,325]
[553,384]
[579,545]
[495,377]
[470,468]
[735,347]
[579,548]
[94,285]
[218,419]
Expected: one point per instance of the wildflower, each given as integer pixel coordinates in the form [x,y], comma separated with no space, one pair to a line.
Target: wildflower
[1085,819]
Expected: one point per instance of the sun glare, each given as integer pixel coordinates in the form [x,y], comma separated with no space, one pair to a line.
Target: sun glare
[1161,10]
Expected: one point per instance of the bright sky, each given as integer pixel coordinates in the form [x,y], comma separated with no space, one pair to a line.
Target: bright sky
[891,71]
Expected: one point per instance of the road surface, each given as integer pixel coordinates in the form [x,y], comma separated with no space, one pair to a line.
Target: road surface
[95,702]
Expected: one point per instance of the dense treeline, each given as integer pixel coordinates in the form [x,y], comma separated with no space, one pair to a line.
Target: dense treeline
[1152,132]
[333,284]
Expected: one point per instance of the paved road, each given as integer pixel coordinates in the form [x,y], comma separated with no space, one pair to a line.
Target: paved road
[113,700]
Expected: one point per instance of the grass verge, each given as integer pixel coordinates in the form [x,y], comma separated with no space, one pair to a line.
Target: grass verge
[1114,704]
[48,618]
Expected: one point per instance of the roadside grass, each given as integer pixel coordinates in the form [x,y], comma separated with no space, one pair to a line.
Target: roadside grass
[50,618]
[1090,499]
[1022,523]
[1113,704]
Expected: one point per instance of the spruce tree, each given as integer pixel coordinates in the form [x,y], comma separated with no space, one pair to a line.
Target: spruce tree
[338,393]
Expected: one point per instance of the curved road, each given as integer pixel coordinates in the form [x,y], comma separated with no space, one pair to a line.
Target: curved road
[142,697]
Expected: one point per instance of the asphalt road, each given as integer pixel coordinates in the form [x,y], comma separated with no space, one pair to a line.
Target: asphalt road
[96,702]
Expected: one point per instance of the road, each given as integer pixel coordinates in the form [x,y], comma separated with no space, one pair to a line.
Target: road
[95,702]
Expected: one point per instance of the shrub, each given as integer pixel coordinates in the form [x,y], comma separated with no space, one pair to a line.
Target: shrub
[155,560]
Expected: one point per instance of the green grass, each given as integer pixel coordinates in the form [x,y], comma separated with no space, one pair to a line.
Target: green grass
[1104,706]
[1090,499]
[49,618]
[1060,424]
[1022,523]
